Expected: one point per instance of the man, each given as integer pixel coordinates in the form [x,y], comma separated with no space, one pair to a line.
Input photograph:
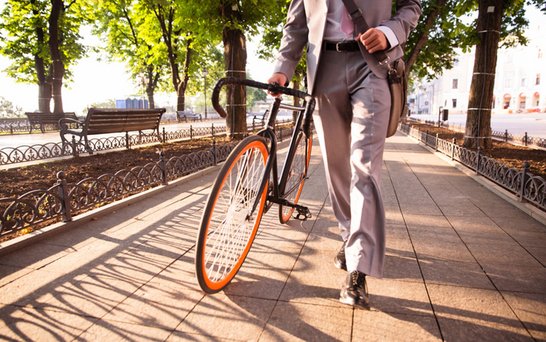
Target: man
[353,105]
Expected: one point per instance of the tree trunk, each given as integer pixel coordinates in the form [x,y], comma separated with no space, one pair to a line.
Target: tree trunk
[54,49]
[44,97]
[235,63]
[181,91]
[44,85]
[478,120]
[151,83]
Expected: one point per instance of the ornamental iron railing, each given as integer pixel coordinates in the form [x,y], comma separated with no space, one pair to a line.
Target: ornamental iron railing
[505,136]
[29,153]
[523,184]
[38,208]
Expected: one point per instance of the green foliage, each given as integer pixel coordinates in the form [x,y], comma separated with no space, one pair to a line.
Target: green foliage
[20,23]
[8,110]
[454,30]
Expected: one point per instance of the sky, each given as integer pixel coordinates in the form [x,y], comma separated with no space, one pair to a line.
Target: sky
[97,81]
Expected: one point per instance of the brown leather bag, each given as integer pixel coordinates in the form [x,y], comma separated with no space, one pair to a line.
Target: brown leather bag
[398,84]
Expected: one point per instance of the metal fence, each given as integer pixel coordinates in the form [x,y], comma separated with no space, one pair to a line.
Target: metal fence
[522,183]
[38,208]
[505,136]
[27,153]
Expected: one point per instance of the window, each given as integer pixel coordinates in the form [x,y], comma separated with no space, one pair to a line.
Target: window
[539,54]
[537,80]
[523,82]
[455,83]
[507,83]
[453,103]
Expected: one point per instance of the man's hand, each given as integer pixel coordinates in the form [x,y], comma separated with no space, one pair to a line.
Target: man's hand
[373,40]
[277,78]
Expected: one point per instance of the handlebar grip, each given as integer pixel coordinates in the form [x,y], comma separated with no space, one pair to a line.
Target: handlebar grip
[274,88]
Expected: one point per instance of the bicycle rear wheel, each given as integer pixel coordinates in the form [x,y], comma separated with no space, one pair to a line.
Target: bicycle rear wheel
[229,223]
[294,173]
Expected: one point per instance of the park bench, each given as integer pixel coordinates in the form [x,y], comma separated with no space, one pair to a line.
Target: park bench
[189,116]
[41,119]
[112,120]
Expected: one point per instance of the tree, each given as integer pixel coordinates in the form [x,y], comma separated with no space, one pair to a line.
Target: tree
[42,40]
[132,37]
[499,21]
[233,21]
[8,110]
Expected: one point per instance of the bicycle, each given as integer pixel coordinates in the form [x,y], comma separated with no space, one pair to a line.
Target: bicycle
[248,185]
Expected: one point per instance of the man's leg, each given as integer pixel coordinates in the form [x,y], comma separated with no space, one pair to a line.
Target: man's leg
[333,125]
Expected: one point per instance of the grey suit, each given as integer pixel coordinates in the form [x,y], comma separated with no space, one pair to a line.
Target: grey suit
[353,104]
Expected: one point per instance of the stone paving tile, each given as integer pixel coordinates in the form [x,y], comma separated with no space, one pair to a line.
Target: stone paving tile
[314,280]
[428,221]
[476,230]
[158,303]
[388,326]
[36,257]
[431,244]
[184,336]
[28,324]
[28,290]
[11,273]
[401,265]
[412,197]
[93,295]
[264,273]
[304,322]
[121,331]
[503,254]
[531,310]
[394,296]
[455,273]
[519,222]
[518,279]
[229,317]
[475,315]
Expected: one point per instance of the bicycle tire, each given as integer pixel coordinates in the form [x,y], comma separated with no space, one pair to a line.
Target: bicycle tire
[226,232]
[294,173]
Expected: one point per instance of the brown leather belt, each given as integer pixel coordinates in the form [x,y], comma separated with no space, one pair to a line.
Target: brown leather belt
[345,46]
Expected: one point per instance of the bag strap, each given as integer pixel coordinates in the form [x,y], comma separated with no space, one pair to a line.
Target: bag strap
[362,26]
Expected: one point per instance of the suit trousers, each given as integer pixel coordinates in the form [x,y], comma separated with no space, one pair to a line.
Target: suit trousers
[351,120]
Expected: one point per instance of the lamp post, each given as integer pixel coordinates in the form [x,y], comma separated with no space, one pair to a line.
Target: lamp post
[205,73]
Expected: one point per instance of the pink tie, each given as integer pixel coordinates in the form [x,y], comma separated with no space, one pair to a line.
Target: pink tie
[346,22]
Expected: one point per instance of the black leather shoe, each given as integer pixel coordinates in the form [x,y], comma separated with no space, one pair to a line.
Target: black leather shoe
[339,260]
[354,291]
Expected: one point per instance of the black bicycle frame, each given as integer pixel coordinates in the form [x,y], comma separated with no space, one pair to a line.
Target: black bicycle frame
[305,114]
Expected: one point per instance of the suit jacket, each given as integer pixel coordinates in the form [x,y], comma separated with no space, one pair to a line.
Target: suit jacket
[306,22]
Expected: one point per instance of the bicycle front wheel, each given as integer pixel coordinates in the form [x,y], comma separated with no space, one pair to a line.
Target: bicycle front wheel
[230,220]
[294,173]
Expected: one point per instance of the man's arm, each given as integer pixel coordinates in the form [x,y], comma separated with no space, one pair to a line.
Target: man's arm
[405,19]
[294,39]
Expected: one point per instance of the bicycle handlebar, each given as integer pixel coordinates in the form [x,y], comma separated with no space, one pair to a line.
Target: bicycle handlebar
[273,88]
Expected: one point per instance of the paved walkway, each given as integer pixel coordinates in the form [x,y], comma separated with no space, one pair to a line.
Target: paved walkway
[462,264]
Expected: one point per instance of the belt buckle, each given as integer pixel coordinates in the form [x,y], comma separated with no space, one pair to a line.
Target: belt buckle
[337,46]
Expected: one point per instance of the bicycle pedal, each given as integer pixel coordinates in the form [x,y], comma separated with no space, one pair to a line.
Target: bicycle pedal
[302,213]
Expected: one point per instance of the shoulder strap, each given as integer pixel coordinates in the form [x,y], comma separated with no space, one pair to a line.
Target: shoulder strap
[362,25]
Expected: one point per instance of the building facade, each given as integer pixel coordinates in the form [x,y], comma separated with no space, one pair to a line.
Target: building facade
[520,80]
